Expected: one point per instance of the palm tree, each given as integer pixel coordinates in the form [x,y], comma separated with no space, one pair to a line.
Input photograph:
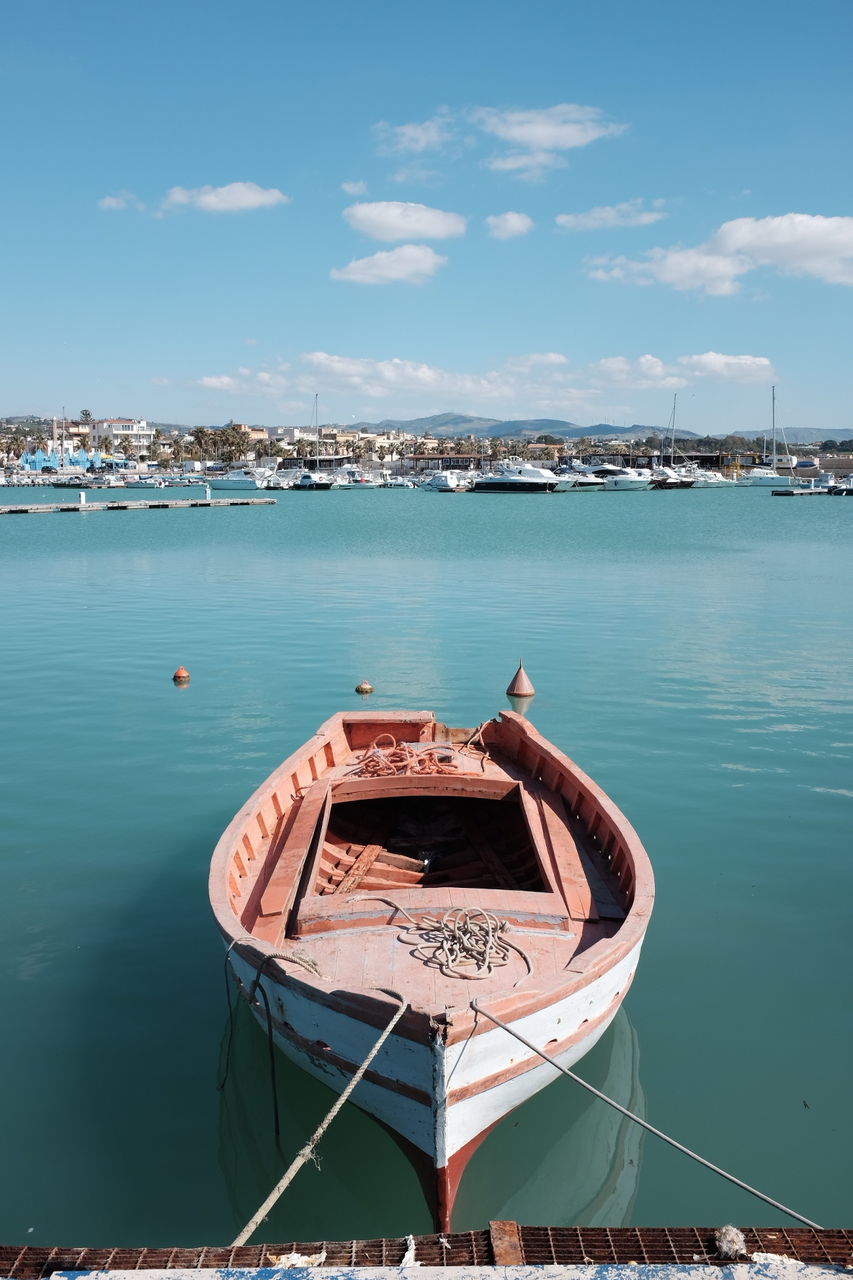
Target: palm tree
[204,440]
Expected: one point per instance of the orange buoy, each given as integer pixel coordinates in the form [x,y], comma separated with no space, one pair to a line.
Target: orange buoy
[520,686]
[181,676]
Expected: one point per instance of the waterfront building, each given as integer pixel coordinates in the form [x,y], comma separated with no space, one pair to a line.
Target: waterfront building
[107,432]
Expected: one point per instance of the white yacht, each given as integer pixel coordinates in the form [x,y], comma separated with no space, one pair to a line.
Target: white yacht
[353,477]
[664,477]
[766,477]
[240,478]
[579,479]
[515,476]
[448,482]
[313,480]
[627,479]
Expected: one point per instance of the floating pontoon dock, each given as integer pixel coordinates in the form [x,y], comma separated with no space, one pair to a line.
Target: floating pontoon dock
[150,504]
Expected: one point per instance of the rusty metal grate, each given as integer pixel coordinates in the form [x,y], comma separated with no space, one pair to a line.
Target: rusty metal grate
[505,1243]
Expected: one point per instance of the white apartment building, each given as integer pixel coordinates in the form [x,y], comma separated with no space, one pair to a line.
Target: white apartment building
[106,433]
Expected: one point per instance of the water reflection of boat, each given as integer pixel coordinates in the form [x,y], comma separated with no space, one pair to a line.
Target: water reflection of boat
[563,1157]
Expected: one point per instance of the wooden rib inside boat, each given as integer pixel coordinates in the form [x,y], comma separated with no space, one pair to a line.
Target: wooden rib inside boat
[393,858]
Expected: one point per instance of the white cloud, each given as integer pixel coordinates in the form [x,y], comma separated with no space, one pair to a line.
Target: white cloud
[540,136]
[630,213]
[641,374]
[398,220]
[235,197]
[537,137]
[219,382]
[121,200]
[354,188]
[413,139]
[409,264]
[505,226]
[269,384]
[381,378]
[711,364]
[529,166]
[798,244]
[526,385]
[415,173]
[558,128]
[537,359]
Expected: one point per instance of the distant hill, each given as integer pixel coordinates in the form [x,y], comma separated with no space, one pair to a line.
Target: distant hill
[439,424]
[442,425]
[792,435]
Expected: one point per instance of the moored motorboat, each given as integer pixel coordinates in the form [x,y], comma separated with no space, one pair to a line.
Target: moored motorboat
[515,476]
[450,481]
[459,874]
[627,479]
[239,478]
[313,480]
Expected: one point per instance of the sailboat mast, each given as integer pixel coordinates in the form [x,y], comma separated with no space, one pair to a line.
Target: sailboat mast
[672,437]
[317,428]
[773,424]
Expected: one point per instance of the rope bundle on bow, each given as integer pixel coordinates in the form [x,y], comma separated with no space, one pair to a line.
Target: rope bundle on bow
[463,943]
[386,757]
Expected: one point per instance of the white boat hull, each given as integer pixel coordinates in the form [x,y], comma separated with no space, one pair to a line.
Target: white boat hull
[440,1098]
[626,482]
[223,482]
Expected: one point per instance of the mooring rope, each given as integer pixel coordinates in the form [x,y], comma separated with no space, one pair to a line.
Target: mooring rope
[644,1123]
[308,1150]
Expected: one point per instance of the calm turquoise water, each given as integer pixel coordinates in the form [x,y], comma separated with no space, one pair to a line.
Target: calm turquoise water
[691,650]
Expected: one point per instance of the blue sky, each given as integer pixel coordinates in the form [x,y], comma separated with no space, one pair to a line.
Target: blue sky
[548,209]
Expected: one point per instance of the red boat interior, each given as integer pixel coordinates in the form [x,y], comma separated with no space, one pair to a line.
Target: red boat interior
[427,841]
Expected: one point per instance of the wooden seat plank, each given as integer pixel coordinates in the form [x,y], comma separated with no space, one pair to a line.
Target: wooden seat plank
[360,868]
[544,819]
[282,882]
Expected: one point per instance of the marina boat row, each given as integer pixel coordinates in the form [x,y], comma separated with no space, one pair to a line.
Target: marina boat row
[512,475]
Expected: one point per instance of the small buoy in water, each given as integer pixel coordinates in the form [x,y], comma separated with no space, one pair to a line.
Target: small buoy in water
[364,687]
[181,676]
[520,686]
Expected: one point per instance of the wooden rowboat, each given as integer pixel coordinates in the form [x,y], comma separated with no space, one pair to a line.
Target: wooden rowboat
[394,860]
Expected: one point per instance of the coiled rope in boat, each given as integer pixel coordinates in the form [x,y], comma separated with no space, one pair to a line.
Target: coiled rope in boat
[387,758]
[307,1151]
[730,1177]
[463,943]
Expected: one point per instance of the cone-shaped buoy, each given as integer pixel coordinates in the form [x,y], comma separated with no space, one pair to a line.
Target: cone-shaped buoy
[364,687]
[520,686]
[181,676]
